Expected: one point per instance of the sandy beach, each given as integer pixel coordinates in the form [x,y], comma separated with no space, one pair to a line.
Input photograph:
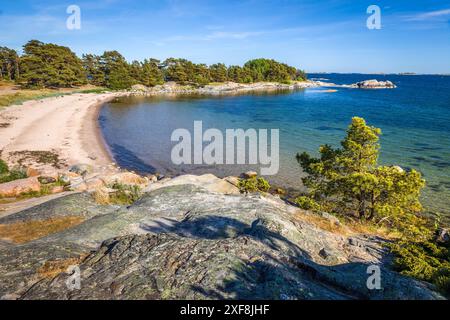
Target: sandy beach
[66,126]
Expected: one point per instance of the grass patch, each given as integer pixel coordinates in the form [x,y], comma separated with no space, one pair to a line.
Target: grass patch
[346,226]
[323,223]
[21,96]
[23,232]
[123,194]
[26,95]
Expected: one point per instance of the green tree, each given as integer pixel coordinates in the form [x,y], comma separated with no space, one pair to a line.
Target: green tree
[201,75]
[239,74]
[274,71]
[177,70]
[151,73]
[9,64]
[348,180]
[50,65]
[116,70]
[218,72]
[92,65]
[184,72]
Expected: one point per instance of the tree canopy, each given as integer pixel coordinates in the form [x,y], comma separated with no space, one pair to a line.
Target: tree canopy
[349,181]
[50,65]
[9,64]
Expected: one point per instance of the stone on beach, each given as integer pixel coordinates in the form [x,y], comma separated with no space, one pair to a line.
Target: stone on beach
[81,169]
[18,187]
[127,178]
[250,174]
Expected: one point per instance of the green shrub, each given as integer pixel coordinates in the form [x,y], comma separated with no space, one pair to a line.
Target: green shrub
[125,194]
[307,203]
[3,167]
[253,184]
[425,261]
[13,175]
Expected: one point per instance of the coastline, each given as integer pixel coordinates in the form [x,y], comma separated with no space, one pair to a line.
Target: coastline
[66,127]
[92,139]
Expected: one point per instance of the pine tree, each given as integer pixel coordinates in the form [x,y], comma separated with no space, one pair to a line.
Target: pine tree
[218,72]
[116,71]
[92,66]
[50,65]
[348,180]
[9,64]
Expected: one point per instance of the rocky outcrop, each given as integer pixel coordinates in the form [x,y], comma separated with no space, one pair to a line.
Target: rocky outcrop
[224,88]
[190,240]
[207,181]
[18,187]
[128,178]
[374,84]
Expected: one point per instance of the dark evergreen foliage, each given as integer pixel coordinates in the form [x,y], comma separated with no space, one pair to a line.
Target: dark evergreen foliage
[50,65]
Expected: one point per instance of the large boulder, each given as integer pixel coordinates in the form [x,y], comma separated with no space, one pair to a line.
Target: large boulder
[128,178]
[18,187]
[207,181]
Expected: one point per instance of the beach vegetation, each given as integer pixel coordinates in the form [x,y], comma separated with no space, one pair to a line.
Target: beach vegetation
[426,260]
[20,96]
[119,194]
[253,184]
[349,183]
[47,65]
[3,167]
[8,175]
[307,203]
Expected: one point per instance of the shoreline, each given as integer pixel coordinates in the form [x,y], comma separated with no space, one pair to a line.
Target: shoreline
[91,128]
[65,127]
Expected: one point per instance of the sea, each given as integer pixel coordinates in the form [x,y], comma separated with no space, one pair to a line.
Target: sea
[414,119]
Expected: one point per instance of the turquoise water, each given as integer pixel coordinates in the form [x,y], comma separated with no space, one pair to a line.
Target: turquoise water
[414,118]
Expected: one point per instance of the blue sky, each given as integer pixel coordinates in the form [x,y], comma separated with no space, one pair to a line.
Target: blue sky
[317,36]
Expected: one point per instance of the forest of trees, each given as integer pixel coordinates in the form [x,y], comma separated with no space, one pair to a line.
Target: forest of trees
[53,66]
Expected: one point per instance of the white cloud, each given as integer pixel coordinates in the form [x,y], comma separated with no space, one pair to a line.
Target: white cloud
[431,15]
[216,35]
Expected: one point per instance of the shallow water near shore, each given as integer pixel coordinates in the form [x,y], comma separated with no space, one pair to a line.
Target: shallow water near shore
[414,118]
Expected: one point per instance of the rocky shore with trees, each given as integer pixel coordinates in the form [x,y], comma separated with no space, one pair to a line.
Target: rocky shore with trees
[50,65]
[197,237]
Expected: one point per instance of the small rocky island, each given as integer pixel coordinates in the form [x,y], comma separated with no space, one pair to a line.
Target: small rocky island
[374,84]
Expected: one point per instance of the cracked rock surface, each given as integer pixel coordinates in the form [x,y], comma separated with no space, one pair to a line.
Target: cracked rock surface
[188,242]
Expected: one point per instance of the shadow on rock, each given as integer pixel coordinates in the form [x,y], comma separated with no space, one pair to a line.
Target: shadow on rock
[216,227]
